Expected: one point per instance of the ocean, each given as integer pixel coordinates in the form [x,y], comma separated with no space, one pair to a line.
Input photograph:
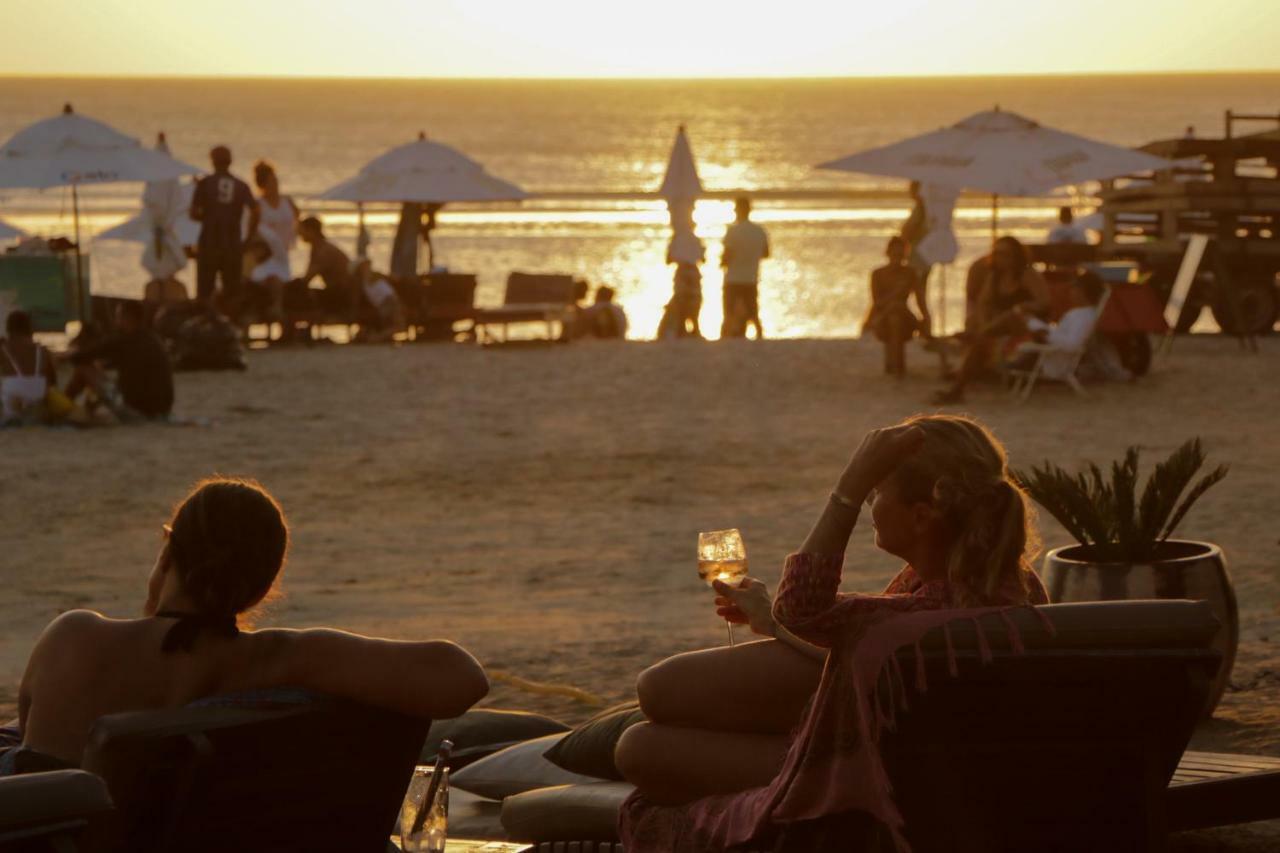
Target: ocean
[591,151]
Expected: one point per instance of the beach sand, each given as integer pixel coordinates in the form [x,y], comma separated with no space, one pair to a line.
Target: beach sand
[540,504]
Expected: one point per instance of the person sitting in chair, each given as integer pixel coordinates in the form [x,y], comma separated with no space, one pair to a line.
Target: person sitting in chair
[1010,291]
[1071,333]
[221,555]
[333,267]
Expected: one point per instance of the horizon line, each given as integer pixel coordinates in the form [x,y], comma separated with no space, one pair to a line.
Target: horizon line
[17,75]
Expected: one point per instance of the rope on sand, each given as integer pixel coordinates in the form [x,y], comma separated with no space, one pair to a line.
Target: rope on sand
[544,689]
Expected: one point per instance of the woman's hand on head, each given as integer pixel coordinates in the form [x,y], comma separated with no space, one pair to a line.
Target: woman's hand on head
[881,452]
[746,604]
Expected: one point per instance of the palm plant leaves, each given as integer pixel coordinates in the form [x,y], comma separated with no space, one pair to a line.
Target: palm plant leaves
[1105,514]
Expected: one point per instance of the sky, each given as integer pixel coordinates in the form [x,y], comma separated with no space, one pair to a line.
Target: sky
[634,38]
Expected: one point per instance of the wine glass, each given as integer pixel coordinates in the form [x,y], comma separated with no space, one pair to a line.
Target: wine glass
[722,557]
[427,836]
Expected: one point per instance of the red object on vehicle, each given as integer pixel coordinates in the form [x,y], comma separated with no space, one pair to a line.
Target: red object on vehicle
[1131,308]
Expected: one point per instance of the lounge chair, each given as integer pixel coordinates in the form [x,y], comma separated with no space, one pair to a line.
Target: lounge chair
[1078,744]
[530,298]
[1022,380]
[317,776]
[446,299]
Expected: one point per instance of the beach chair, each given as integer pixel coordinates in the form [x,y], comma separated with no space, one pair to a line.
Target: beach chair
[530,298]
[315,775]
[1077,744]
[1022,380]
[49,812]
[446,300]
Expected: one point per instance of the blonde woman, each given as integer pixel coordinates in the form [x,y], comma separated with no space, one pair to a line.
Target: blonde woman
[941,499]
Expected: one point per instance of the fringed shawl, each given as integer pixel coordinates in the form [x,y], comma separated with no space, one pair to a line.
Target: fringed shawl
[833,764]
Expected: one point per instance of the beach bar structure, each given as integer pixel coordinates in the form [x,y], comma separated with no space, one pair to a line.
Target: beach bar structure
[1227,189]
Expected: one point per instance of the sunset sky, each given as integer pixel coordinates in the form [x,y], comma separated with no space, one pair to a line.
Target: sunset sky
[636,38]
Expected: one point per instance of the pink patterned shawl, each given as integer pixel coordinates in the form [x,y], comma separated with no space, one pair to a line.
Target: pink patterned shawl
[833,765]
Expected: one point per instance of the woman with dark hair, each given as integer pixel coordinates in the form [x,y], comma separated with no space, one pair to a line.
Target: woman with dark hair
[1011,291]
[221,556]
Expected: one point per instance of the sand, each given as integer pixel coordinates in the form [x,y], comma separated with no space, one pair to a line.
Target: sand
[540,505]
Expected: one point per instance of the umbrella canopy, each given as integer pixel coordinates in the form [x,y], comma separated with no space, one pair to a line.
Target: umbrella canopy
[426,172]
[163,226]
[71,149]
[1000,153]
[681,182]
[10,232]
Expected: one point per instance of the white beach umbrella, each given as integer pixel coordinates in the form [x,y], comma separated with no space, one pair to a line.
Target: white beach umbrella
[424,172]
[162,226]
[73,150]
[1001,153]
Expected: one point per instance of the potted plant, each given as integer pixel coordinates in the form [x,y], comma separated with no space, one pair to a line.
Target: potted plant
[1125,550]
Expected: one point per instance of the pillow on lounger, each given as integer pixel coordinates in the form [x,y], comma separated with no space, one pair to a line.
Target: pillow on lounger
[483,731]
[588,749]
[514,770]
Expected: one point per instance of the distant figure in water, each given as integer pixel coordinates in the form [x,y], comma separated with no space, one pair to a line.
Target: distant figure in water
[889,318]
[746,244]
[218,204]
[680,318]
[1066,231]
[221,555]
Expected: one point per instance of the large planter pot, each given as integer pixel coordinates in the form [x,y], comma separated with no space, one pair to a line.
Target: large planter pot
[1182,569]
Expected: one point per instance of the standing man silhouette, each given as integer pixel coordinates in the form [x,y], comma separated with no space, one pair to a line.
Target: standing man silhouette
[218,204]
[745,245]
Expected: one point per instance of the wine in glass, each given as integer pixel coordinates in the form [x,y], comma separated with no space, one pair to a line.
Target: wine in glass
[722,557]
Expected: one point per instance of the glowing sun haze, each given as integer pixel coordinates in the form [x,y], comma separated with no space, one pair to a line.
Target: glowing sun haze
[640,38]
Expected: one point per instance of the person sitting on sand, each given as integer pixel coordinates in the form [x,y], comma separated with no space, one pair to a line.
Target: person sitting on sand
[27,372]
[222,553]
[1011,292]
[143,387]
[604,318]
[889,318]
[941,499]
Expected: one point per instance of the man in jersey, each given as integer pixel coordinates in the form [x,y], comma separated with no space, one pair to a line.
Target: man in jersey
[218,204]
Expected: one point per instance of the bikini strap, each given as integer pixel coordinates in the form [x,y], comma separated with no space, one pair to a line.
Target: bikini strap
[182,636]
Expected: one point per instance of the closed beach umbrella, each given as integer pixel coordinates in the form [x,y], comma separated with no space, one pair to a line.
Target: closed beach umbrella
[681,182]
[425,173]
[73,150]
[1001,153]
[681,188]
[162,226]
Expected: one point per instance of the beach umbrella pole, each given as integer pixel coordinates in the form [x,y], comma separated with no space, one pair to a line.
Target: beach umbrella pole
[995,217]
[81,295]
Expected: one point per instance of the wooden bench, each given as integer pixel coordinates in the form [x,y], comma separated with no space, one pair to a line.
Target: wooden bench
[531,298]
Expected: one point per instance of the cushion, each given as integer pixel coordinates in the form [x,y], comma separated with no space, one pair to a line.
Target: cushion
[58,795]
[472,816]
[588,749]
[514,770]
[566,813]
[484,731]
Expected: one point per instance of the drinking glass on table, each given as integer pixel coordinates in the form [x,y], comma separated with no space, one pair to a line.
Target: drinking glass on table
[722,557]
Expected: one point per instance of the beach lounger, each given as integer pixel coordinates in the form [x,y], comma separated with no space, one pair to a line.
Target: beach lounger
[1078,744]
[1022,381]
[317,775]
[530,299]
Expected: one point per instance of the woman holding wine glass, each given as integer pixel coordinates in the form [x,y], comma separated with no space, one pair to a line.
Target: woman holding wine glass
[941,499]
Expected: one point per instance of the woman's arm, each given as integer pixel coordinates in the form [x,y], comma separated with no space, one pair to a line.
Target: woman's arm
[435,679]
[808,594]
